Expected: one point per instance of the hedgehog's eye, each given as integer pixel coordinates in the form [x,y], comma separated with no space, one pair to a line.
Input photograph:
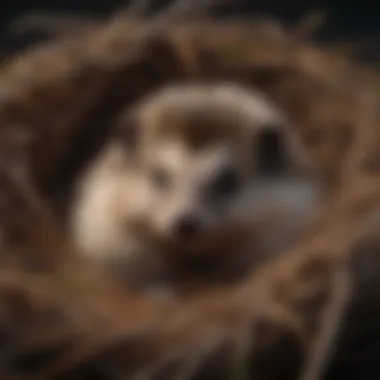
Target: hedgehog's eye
[160,178]
[226,183]
[271,153]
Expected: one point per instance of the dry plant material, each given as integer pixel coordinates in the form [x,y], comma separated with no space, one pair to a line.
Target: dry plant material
[62,98]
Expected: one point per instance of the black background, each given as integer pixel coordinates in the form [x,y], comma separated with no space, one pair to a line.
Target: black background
[346,19]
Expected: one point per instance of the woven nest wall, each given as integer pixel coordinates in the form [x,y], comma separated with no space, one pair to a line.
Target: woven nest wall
[312,314]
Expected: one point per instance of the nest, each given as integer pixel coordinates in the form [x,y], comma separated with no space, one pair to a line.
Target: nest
[62,318]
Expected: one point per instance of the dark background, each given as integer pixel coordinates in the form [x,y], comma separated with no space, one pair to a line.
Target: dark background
[346,20]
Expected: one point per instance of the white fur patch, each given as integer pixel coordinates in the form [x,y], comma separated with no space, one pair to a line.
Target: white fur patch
[256,108]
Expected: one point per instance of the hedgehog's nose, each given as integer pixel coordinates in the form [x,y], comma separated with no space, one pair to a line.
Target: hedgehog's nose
[187,226]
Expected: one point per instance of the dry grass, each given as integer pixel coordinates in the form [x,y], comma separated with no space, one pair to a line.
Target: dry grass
[60,318]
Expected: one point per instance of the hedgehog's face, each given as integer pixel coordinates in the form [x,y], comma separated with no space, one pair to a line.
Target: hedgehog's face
[192,192]
[211,174]
[200,198]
